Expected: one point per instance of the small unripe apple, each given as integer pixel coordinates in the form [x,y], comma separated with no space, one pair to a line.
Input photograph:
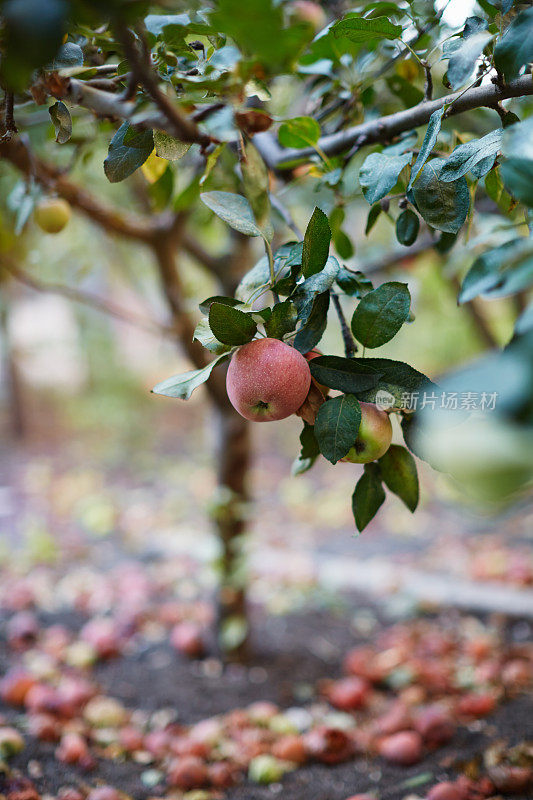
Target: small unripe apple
[308,11]
[267,380]
[52,214]
[374,437]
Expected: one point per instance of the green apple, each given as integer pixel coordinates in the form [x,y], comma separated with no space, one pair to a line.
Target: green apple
[374,437]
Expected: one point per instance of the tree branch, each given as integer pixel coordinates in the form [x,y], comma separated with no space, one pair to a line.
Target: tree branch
[385,128]
[350,348]
[81,296]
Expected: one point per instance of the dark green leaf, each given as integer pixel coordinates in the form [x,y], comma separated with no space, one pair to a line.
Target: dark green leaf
[61,119]
[398,469]
[316,244]
[230,325]
[299,132]
[312,331]
[234,209]
[182,386]
[282,320]
[354,284]
[372,218]
[407,227]
[379,173]
[468,155]
[336,426]
[363,29]
[428,144]
[206,304]
[368,496]
[309,451]
[305,293]
[342,374]
[463,55]
[343,244]
[381,313]
[444,206]
[68,55]
[122,160]
[515,48]
[394,377]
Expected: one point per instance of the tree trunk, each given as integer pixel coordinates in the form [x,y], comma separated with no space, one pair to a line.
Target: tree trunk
[233,448]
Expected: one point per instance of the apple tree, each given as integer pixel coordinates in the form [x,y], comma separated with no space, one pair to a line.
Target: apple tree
[424,120]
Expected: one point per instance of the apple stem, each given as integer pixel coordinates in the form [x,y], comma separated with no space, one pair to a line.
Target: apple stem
[350,348]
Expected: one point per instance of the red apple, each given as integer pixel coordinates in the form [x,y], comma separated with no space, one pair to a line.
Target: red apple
[267,380]
[403,748]
[374,436]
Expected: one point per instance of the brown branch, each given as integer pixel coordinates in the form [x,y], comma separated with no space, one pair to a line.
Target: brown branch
[9,116]
[428,92]
[383,129]
[350,347]
[82,296]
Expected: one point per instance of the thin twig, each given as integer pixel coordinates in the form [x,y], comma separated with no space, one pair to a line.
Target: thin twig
[9,117]
[350,347]
[428,92]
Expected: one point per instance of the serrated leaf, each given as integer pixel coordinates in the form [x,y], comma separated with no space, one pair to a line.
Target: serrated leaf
[363,29]
[234,209]
[428,144]
[379,173]
[62,121]
[336,426]
[168,147]
[398,469]
[381,313]
[182,386]
[444,206]
[206,337]
[466,156]
[299,132]
[206,304]
[353,283]
[515,48]
[463,55]
[342,374]
[368,496]
[316,243]
[282,320]
[122,159]
[407,227]
[395,377]
[230,325]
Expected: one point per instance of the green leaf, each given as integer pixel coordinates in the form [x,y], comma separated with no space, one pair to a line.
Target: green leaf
[206,337]
[234,209]
[313,329]
[211,162]
[394,377]
[428,144]
[342,374]
[518,140]
[122,159]
[316,243]
[282,320]
[231,326]
[398,469]
[168,147]
[62,121]
[182,386]
[405,91]
[515,48]
[372,218]
[463,55]
[381,313]
[354,284]
[500,271]
[309,451]
[68,55]
[379,173]
[407,227]
[468,155]
[517,174]
[206,304]
[337,425]
[305,293]
[363,29]
[299,132]
[444,206]
[368,496]
[256,184]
